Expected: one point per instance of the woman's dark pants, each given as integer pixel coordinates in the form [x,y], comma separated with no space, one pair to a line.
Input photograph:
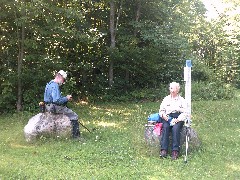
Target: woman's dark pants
[175,135]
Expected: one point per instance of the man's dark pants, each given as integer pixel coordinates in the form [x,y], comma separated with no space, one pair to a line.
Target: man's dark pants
[72,116]
[75,128]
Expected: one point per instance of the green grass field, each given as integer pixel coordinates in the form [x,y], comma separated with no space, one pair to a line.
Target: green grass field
[116,148]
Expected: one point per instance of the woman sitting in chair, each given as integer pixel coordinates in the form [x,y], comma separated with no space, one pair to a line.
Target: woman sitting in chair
[173,113]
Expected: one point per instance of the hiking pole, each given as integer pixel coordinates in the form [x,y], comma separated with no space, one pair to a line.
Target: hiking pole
[85,127]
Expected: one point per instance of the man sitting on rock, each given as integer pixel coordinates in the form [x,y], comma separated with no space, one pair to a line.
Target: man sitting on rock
[56,103]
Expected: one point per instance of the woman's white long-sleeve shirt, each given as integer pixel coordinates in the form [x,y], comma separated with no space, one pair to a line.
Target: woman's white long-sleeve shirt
[173,105]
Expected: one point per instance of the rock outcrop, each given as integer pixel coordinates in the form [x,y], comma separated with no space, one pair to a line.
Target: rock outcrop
[153,139]
[47,124]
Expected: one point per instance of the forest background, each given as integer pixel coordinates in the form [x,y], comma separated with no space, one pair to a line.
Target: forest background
[115,50]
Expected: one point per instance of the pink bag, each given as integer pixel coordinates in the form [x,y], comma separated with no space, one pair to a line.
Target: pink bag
[158,129]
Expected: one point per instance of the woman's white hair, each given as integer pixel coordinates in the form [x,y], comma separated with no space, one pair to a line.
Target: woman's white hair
[175,84]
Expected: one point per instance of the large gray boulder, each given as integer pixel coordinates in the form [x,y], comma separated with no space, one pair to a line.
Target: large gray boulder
[153,139]
[47,124]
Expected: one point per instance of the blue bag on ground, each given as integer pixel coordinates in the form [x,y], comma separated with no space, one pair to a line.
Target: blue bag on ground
[154,117]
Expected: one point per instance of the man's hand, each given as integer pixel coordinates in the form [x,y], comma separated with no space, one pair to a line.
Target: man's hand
[69,97]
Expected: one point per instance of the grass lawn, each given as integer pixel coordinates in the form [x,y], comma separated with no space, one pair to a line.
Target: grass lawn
[116,148]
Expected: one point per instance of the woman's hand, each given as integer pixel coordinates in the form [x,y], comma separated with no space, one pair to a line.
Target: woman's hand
[165,117]
[175,120]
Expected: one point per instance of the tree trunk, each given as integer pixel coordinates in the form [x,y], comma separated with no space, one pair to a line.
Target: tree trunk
[126,79]
[138,8]
[113,42]
[19,70]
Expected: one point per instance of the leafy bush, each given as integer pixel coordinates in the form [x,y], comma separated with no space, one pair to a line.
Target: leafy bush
[151,94]
[7,100]
[212,91]
[207,86]
[145,94]
[201,72]
[201,90]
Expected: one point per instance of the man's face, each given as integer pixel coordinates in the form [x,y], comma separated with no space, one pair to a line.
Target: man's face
[61,80]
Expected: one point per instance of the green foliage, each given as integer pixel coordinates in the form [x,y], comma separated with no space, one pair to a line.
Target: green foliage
[217,47]
[150,94]
[151,48]
[68,86]
[7,100]
[137,95]
[116,148]
[207,85]
[201,72]
[212,91]
[201,90]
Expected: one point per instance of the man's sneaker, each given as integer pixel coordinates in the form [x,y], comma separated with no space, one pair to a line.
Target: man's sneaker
[163,153]
[174,155]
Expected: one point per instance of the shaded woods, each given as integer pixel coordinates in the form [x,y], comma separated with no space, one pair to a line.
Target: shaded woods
[112,48]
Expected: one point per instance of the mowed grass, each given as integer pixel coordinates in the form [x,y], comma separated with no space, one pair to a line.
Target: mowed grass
[115,149]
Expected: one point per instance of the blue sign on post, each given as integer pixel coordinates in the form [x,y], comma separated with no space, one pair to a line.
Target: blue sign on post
[188,63]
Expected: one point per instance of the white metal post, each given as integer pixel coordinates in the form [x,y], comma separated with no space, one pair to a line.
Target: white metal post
[187,79]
